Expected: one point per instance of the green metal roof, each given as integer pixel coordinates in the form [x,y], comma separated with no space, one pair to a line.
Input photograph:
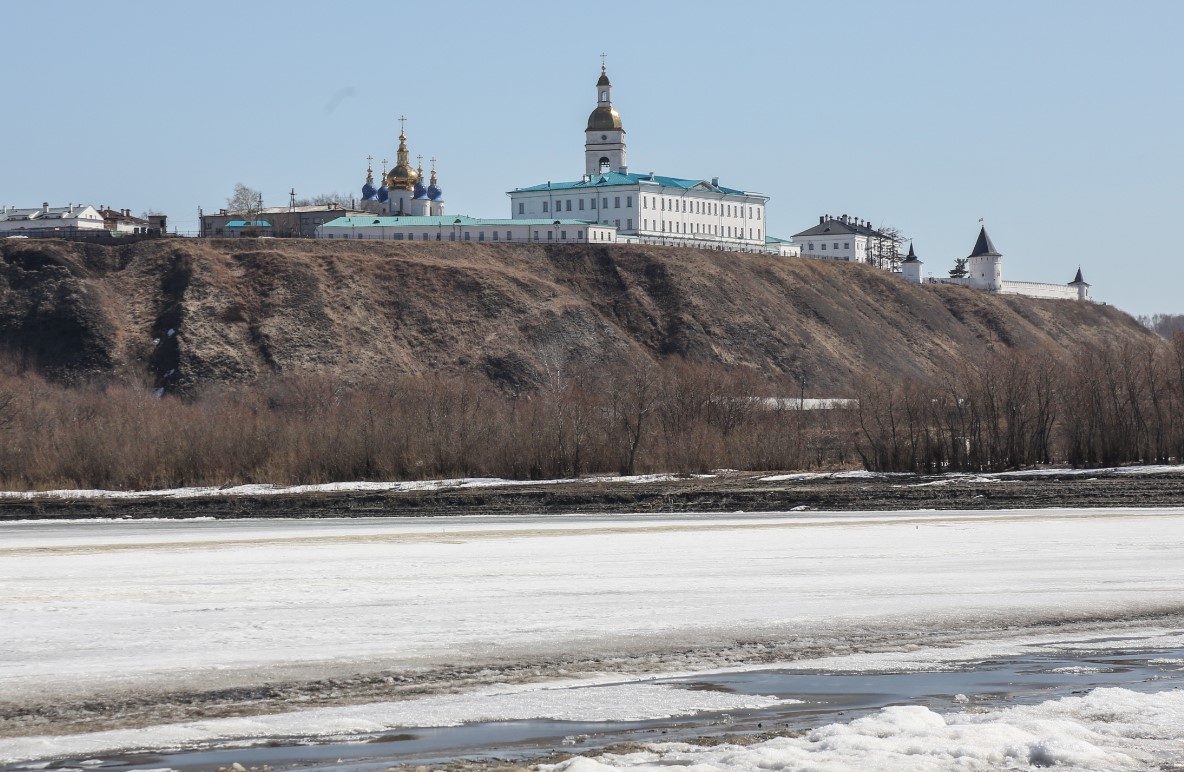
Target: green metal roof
[442,221]
[251,224]
[775,240]
[616,178]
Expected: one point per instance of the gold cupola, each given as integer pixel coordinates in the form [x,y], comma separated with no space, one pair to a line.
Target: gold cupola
[402,176]
[604,117]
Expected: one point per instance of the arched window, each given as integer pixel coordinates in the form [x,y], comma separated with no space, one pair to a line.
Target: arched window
[603,96]
[604,165]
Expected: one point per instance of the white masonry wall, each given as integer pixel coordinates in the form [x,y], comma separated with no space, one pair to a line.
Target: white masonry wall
[1035,289]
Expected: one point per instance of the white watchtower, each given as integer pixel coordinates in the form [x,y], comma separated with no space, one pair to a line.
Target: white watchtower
[985,264]
[1081,285]
[911,267]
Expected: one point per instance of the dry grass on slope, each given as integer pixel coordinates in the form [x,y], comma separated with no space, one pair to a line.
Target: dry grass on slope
[245,309]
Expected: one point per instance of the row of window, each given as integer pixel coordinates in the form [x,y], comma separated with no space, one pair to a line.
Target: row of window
[725,231]
[697,206]
[494,236]
[565,205]
[822,247]
[693,206]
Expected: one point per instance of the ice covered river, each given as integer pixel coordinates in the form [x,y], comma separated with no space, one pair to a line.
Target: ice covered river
[406,638]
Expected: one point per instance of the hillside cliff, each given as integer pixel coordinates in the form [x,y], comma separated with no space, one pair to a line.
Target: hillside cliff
[188,313]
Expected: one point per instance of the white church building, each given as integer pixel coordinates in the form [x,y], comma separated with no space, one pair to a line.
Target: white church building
[647,208]
[402,190]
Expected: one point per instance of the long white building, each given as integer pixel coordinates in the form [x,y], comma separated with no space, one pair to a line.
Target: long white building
[647,208]
[50,219]
[469,229]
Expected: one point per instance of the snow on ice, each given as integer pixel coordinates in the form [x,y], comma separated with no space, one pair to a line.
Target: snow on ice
[99,609]
[1109,730]
[614,702]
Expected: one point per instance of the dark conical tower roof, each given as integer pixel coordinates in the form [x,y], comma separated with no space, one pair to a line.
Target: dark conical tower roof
[1077,279]
[912,256]
[983,247]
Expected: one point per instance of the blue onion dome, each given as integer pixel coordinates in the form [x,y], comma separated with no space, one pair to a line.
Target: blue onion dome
[435,193]
[383,195]
[369,192]
[419,191]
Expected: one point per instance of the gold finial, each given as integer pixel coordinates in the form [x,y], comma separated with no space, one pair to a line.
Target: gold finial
[402,127]
[433,160]
[602,58]
[384,169]
[370,170]
[419,165]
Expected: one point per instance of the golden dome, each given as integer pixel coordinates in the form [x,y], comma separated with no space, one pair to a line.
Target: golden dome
[604,118]
[402,177]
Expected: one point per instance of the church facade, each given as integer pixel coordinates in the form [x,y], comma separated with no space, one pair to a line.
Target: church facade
[646,208]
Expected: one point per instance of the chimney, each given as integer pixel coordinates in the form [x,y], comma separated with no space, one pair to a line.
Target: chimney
[821,219]
[715,182]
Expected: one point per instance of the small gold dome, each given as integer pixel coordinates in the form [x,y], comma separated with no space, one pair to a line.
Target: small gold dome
[604,118]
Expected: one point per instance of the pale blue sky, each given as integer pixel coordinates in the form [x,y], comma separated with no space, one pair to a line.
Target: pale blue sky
[1057,122]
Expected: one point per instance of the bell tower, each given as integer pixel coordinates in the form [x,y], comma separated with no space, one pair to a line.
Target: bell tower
[604,139]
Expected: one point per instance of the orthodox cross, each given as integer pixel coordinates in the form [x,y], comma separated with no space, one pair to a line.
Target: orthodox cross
[402,124]
[369,161]
[419,160]
[602,58]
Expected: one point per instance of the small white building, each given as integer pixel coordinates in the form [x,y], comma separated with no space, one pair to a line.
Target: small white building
[50,220]
[468,229]
[782,247]
[846,239]
[121,222]
[645,208]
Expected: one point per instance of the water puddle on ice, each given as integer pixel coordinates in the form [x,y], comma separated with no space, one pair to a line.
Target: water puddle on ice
[825,698]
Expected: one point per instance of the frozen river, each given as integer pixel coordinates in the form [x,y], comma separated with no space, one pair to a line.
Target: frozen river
[157,632]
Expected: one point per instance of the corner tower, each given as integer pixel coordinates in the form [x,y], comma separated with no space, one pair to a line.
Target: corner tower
[604,139]
[1081,285]
[911,267]
[985,264]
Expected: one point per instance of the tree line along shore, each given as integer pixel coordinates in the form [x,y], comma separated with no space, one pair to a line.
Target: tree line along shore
[1103,405]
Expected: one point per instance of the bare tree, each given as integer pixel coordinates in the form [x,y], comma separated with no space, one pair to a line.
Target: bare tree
[325,199]
[1164,325]
[884,248]
[244,199]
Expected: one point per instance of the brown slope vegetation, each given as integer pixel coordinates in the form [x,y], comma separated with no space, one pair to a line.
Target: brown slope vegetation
[244,309]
